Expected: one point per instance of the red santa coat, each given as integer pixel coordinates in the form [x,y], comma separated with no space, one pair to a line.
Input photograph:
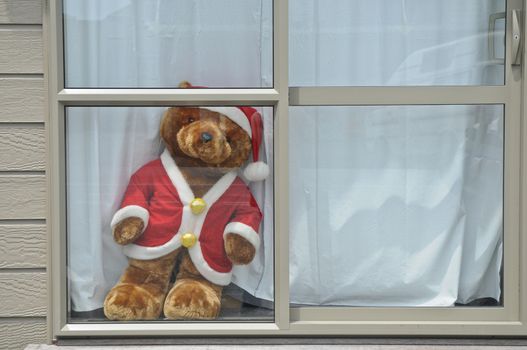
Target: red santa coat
[159,194]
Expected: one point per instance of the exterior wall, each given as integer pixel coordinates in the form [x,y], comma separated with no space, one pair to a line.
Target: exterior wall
[23,299]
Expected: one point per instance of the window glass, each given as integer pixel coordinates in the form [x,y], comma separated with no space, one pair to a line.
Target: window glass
[396,205]
[158,43]
[166,202]
[389,43]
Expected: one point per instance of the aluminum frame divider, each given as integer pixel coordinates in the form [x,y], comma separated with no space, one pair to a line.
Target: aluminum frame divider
[163,97]
[394,95]
[281,147]
[523,177]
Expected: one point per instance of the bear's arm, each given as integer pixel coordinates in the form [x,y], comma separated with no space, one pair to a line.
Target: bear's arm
[130,221]
[241,234]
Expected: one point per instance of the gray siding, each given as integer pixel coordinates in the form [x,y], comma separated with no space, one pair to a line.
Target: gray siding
[22,100]
[21,11]
[16,333]
[22,175]
[22,245]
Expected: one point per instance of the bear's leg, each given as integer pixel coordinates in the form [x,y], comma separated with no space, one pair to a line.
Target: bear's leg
[192,297]
[140,292]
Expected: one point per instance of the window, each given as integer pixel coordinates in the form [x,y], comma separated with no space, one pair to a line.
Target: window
[394,142]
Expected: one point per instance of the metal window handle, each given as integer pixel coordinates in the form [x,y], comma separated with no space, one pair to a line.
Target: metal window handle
[516,38]
[492,37]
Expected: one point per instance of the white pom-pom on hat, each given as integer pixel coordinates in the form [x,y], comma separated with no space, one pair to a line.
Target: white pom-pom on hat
[249,120]
[256,171]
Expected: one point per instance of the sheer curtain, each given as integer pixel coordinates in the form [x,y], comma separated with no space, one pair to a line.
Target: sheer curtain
[158,43]
[395,206]
[400,42]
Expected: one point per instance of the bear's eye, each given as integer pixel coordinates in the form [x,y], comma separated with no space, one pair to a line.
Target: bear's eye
[190,120]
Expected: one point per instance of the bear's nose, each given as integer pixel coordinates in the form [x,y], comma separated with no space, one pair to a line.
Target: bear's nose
[206,137]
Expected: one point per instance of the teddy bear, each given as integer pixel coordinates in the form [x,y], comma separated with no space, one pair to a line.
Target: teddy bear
[189,214]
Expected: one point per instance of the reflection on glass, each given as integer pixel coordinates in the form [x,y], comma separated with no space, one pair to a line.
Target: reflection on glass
[157,44]
[385,42]
[396,205]
[167,215]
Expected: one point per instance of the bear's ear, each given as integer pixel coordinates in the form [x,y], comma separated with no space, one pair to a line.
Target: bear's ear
[185,85]
[167,129]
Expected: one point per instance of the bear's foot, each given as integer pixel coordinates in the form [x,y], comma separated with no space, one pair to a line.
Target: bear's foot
[127,302]
[193,299]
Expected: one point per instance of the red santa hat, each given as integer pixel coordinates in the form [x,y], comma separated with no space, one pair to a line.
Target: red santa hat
[250,120]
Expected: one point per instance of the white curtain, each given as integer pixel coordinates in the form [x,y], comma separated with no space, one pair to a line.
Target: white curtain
[396,206]
[393,42]
[159,43]
[417,189]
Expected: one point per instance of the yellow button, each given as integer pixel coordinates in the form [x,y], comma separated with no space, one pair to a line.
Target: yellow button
[197,206]
[188,240]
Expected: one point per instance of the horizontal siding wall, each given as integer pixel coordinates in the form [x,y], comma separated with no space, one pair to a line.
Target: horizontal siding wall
[22,147]
[22,197]
[23,293]
[22,99]
[21,12]
[22,175]
[16,333]
[21,49]
[22,245]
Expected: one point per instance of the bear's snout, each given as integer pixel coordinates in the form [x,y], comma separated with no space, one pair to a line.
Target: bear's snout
[204,140]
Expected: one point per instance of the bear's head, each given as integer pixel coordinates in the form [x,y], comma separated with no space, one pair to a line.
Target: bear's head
[202,137]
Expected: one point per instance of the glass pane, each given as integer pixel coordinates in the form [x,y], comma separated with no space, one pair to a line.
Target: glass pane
[159,43]
[160,203]
[396,205]
[389,43]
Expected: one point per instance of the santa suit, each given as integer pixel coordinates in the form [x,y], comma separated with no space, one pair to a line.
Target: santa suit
[159,195]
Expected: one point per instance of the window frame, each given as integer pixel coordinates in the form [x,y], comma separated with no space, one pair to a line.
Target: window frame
[509,319]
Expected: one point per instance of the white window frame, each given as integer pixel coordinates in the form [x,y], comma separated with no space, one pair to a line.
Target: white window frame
[509,319]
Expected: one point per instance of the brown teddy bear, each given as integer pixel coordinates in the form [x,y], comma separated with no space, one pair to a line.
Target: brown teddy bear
[189,211]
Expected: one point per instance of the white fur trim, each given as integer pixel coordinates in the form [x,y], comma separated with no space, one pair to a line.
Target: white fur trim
[177,178]
[219,188]
[245,231]
[236,115]
[256,171]
[130,211]
[220,278]
[139,252]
